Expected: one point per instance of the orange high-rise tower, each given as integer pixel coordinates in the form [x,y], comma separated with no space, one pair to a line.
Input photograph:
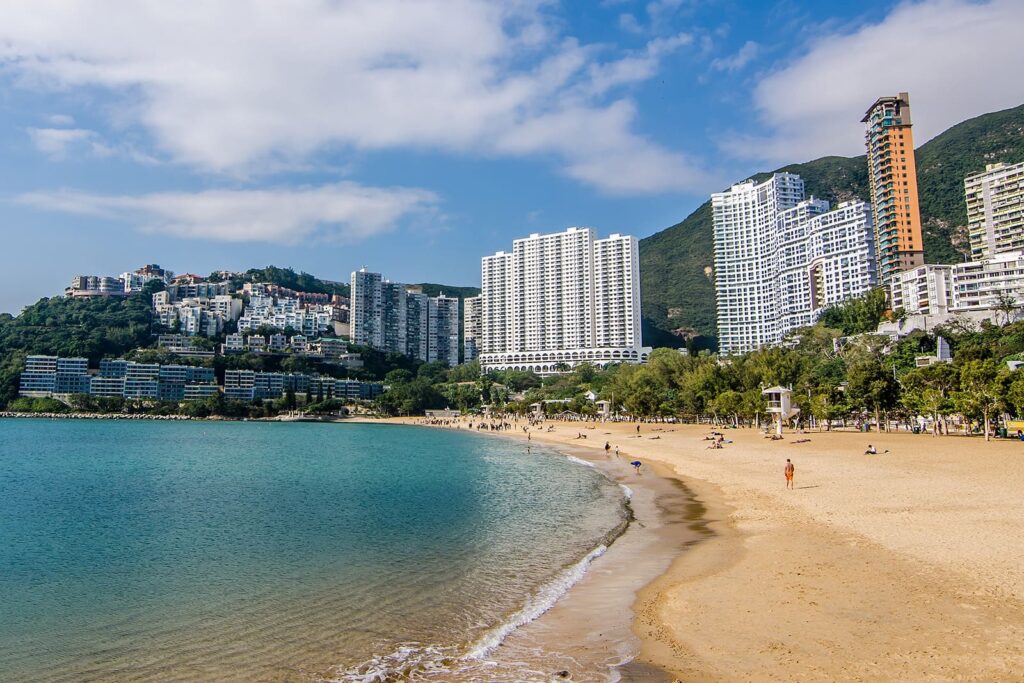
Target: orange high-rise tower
[892,174]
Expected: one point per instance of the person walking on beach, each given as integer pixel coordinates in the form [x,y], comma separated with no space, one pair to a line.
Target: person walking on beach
[789,473]
[636,465]
[607,447]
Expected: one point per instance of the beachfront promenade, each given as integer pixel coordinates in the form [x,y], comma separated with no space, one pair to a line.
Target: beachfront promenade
[904,565]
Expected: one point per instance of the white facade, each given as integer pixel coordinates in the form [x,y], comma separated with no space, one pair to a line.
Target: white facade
[995,210]
[781,260]
[564,298]
[471,322]
[366,309]
[981,285]
[925,290]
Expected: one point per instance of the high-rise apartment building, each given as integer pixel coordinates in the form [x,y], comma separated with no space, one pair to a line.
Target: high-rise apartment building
[471,318]
[560,300]
[417,325]
[366,309]
[892,176]
[995,210]
[443,340]
[780,260]
[398,318]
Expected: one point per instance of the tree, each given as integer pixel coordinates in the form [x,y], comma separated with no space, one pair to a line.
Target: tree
[872,387]
[828,403]
[729,402]
[982,391]
[1007,305]
[929,390]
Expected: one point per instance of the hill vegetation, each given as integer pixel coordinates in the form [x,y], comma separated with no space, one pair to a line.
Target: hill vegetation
[675,264]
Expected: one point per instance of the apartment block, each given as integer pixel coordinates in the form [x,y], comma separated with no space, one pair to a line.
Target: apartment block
[995,210]
[443,334]
[781,259]
[925,290]
[52,376]
[472,317]
[89,286]
[398,318]
[986,284]
[559,300]
[892,176]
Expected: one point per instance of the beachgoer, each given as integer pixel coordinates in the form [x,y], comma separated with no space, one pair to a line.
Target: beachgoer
[871,450]
[636,465]
[607,447]
[638,429]
[790,470]
[617,450]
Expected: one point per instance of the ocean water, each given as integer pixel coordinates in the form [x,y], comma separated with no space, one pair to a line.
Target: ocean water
[134,551]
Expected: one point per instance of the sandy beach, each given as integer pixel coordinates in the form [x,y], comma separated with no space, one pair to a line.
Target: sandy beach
[906,565]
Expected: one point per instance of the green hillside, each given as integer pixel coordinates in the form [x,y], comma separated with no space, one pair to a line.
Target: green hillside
[678,292]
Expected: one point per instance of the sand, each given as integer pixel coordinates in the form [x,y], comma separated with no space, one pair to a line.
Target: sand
[906,565]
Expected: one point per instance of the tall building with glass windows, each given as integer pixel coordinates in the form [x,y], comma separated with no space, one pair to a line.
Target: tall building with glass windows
[780,259]
[892,177]
[559,300]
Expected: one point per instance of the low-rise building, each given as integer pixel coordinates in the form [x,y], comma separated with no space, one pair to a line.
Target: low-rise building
[924,290]
[87,286]
[989,284]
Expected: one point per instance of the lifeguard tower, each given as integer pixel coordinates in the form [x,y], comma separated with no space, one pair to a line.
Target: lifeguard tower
[779,400]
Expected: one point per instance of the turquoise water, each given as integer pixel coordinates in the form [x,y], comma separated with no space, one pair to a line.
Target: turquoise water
[275,551]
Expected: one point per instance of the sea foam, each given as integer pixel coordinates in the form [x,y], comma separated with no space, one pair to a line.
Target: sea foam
[413,659]
[541,601]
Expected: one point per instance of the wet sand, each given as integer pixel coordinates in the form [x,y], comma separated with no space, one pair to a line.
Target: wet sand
[899,566]
[590,630]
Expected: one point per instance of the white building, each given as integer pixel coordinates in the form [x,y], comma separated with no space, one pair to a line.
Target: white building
[983,285]
[559,300]
[87,286]
[471,321]
[366,308]
[781,260]
[995,210]
[925,290]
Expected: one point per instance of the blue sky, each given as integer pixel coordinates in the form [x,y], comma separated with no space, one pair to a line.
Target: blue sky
[415,137]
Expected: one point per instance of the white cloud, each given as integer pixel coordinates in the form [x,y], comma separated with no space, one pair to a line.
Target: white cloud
[56,142]
[633,68]
[628,22]
[60,120]
[238,87]
[956,58]
[338,212]
[743,56]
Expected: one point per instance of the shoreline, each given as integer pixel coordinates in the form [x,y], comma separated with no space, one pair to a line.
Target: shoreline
[662,525]
[903,565]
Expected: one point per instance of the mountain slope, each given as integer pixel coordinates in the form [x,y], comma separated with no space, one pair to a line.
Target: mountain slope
[678,293]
